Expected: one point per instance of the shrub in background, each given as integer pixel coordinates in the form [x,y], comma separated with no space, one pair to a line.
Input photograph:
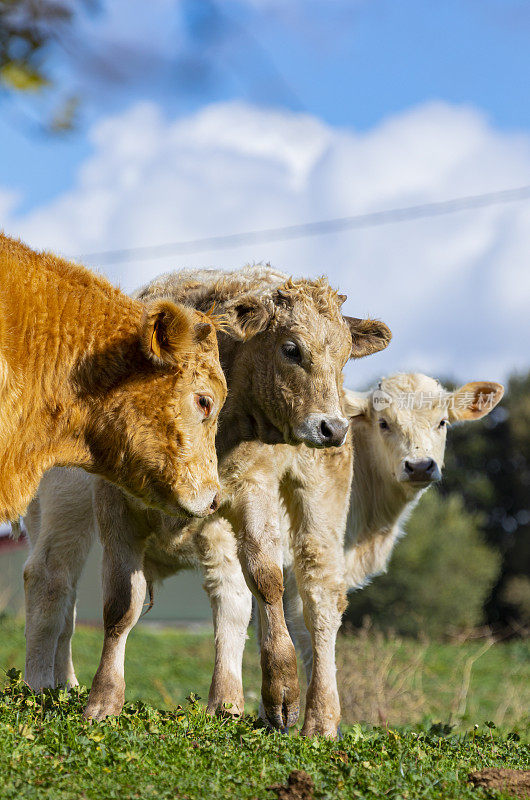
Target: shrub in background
[439,577]
[517,593]
[488,463]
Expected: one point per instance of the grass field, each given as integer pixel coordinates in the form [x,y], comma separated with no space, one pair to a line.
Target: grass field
[158,750]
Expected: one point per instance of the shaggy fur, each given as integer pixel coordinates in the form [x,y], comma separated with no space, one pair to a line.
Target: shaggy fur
[89,377]
[270,400]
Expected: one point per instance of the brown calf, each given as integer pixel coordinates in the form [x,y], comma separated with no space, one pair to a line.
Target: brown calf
[91,378]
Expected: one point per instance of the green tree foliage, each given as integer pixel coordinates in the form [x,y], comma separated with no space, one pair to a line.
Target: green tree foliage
[517,593]
[29,31]
[488,463]
[26,31]
[439,576]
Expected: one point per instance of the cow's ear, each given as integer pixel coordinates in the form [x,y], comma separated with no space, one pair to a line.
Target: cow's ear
[167,331]
[474,400]
[367,335]
[356,405]
[246,317]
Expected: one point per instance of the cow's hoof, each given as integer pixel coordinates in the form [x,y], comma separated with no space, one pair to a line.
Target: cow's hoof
[322,713]
[225,709]
[313,727]
[226,696]
[264,720]
[100,710]
[105,700]
[280,692]
[69,682]
[284,715]
[94,712]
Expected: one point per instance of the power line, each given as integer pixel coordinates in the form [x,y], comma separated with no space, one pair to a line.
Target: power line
[304,230]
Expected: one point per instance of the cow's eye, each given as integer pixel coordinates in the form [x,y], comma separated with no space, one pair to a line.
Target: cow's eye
[383,424]
[204,403]
[443,423]
[291,351]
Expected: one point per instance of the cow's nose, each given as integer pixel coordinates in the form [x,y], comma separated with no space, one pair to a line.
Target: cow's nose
[333,431]
[422,470]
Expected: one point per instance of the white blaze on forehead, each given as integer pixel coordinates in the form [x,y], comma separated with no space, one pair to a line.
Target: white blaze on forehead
[407,396]
[413,405]
[419,397]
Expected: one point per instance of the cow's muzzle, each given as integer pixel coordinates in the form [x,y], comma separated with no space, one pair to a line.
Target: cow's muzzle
[420,470]
[321,430]
[201,504]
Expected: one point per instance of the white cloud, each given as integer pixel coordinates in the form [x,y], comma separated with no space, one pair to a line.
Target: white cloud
[454,289]
[8,201]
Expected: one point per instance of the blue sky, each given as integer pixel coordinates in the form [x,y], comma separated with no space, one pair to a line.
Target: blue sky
[349,63]
[199,119]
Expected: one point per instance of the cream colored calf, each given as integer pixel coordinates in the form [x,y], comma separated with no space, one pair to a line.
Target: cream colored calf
[399,433]
[399,438]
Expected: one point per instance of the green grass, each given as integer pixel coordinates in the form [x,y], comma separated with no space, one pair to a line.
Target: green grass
[382,680]
[397,681]
[156,749]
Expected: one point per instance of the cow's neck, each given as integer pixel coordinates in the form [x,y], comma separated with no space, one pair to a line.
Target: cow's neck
[58,321]
[377,500]
[235,424]
[378,509]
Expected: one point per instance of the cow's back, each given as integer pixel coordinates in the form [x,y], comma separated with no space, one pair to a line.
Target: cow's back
[207,288]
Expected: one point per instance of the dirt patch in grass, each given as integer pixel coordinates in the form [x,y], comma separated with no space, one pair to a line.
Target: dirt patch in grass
[300,786]
[511,781]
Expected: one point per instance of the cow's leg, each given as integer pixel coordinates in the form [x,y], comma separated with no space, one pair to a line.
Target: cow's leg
[254,516]
[317,507]
[60,547]
[294,615]
[124,588]
[231,604]
[64,666]
[46,593]
[323,593]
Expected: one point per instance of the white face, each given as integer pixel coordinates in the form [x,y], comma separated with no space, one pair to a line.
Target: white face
[408,417]
[410,443]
